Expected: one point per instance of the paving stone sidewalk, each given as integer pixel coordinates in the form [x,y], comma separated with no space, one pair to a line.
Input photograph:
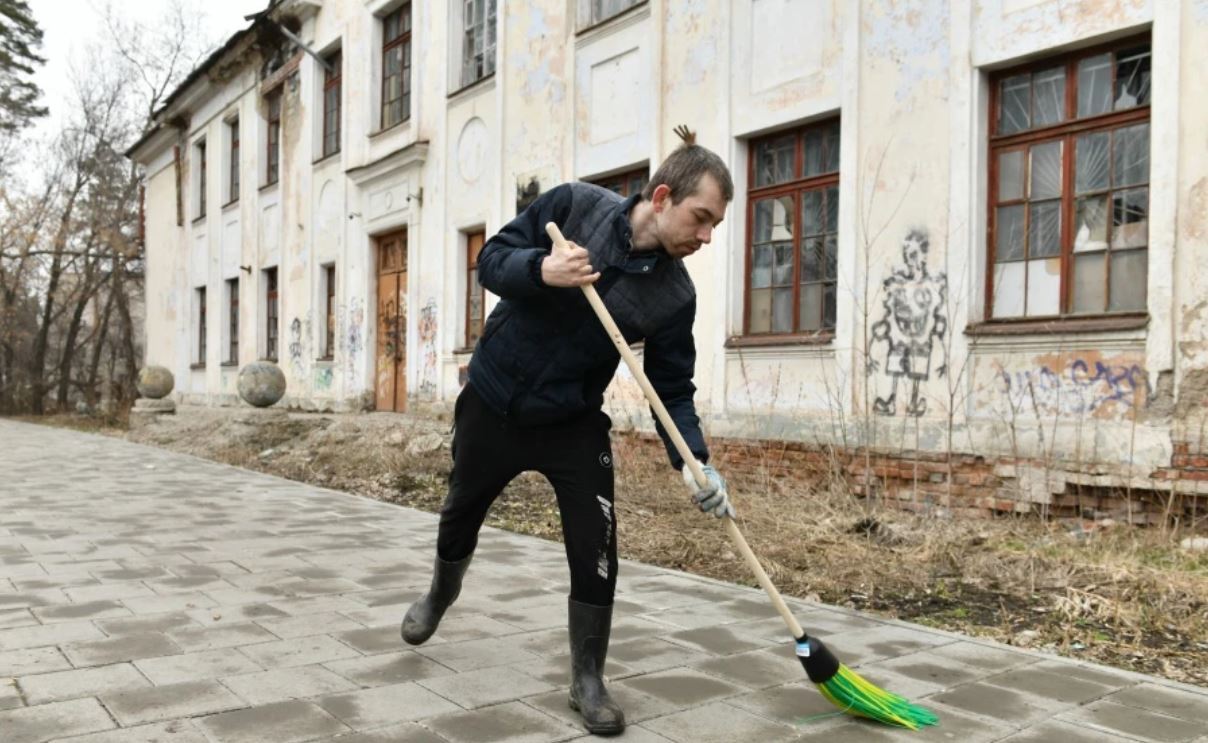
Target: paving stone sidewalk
[149,596]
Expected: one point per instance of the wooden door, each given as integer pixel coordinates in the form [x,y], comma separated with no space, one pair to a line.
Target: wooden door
[390,387]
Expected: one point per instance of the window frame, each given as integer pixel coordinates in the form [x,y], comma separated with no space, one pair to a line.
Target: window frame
[272,159]
[232,286]
[200,147]
[329,289]
[793,187]
[620,182]
[201,327]
[589,18]
[474,287]
[471,30]
[272,313]
[1066,132]
[389,44]
[333,79]
[233,154]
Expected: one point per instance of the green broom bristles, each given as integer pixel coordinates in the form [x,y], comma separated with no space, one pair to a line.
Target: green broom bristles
[855,695]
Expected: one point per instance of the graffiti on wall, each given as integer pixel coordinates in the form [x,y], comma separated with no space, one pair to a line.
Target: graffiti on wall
[903,352]
[1082,385]
[323,378]
[351,321]
[427,349]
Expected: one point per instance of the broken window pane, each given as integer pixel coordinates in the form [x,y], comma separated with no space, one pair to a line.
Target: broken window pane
[1095,85]
[1044,287]
[1014,114]
[782,310]
[1130,218]
[811,307]
[782,272]
[1009,225]
[1091,164]
[1046,170]
[812,258]
[774,219]
[1132,78]
[1128,278]
[1131,155]
[1090,279]
[1009,281]
[1048,97]
[813,219]
[1091,220]
[1044,230]
[774,161]
[761,267]
[761,311]
[1010,175]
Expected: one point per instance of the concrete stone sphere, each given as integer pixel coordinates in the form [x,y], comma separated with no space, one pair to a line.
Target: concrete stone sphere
[261,383]
[155,382]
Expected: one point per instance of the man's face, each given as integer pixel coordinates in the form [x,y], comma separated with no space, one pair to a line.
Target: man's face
[684,227]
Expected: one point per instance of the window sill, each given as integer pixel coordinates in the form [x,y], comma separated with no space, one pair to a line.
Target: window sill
[199,219]
[469,88]
[197,365]
[325,360]
[463,351]
[1058,326]
[232,203]
[768,341]
[269,186]
[330,157]
[269,359]
[378,132]
[629,13]
[229,364]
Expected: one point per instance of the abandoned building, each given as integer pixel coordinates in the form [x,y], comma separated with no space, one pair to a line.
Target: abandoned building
[967,240]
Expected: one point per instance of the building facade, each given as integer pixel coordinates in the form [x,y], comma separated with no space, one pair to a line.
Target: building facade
[972,228]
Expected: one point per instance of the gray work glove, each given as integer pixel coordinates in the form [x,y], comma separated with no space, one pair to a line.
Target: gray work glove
[713,497]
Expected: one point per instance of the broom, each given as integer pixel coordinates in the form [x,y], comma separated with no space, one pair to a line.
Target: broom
[846,689]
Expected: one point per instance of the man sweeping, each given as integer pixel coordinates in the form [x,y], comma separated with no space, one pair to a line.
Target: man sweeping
[538,374]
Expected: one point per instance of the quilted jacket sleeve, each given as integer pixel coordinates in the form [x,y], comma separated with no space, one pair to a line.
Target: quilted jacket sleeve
[510,262]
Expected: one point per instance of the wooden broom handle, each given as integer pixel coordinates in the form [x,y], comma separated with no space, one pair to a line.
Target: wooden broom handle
[681,446]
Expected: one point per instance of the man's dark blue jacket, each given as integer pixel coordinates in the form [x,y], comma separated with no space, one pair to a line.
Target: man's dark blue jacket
[544,357]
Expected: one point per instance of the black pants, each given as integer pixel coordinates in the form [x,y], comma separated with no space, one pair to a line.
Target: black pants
[576,457]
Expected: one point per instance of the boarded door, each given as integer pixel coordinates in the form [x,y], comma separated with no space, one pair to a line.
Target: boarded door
[391,384]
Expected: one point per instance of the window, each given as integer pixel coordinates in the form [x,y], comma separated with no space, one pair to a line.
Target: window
[331,105]
[396,67]
[593,11]
[201,325]
[272,157]
[233,165]
[478,42]
[1069,185]
[232,287]
[475,306]
[201,178]
[270,314]
[329,290]
[626,184]
[792,213]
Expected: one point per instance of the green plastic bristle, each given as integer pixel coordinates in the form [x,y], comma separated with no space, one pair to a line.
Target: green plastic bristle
[853,694]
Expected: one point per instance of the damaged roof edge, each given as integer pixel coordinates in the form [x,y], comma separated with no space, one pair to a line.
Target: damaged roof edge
[201,69]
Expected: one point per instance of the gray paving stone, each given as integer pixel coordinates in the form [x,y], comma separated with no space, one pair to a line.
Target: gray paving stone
[284,684]
[1132,722]
[33,660]
[329,623]
[389,668]
[798,705]
[362,710]
[505,723]
[282,722]
[48,634]
[475,654]
[719,723]
[1048,732]
[193,639]
[408,732]
[653,654]
[757,669]
[10,697]
[225,615]
[22,617]
[161,623]
[108,591]
[93,610]
[300,651]
[174,731]
[164,604]
[162,703]
[208,664]
[682,687]
[636,706]
[49,721]
[1186,705]
[998,702]
[1051,684]
[84,682]
[119,649]
[485,686]
[372,640]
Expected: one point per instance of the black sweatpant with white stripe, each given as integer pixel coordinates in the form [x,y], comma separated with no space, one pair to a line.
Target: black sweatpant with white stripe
[576,457]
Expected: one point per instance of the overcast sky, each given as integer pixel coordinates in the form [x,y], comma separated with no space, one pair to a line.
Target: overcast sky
[68,25]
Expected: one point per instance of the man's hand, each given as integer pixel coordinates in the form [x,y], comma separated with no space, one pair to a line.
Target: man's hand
[569,267]
[712,498]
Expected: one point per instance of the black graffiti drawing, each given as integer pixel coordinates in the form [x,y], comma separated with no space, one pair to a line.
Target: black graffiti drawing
[905,337]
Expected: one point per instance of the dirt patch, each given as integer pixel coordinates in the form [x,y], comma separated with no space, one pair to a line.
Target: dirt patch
[1124,597]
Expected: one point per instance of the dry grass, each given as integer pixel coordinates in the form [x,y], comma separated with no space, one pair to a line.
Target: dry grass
[1125,597]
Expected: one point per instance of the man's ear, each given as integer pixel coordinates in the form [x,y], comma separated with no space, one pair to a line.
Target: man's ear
[661,198]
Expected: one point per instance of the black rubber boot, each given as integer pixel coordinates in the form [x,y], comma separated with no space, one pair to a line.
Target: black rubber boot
[589,629]
[425,614]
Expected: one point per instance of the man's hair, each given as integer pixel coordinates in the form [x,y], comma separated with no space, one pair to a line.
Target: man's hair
[683,169]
